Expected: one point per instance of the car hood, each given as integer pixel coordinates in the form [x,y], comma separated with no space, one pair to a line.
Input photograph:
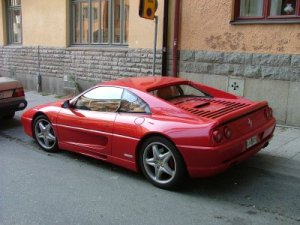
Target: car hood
[57,104]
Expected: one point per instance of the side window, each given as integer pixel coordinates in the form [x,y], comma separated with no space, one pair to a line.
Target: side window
[133,104]
[101,99]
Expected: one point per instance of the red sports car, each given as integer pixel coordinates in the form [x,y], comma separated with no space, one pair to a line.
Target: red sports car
[168,128]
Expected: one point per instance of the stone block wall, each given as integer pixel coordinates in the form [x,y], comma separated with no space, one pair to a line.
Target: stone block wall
[86,65]
[260,66]
[275,78]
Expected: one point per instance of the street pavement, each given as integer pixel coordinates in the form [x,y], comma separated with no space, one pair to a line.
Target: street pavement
[66,188]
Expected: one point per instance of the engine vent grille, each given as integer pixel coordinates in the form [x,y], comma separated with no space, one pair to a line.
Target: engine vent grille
[229,107]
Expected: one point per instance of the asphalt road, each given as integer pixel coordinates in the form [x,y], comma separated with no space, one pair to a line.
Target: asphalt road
[66,188]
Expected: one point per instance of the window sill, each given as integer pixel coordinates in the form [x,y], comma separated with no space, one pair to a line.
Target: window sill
[112,47]
[274,21]
[13,45]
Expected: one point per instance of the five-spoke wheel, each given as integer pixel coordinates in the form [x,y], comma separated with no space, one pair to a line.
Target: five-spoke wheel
[161,163]
[44,134]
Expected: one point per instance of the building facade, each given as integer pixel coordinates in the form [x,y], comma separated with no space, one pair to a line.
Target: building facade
[252,46]
[247,47]
[83,40]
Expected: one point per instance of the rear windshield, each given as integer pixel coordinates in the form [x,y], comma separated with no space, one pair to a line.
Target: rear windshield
[178,91]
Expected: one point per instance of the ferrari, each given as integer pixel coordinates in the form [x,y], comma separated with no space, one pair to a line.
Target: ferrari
[167,128]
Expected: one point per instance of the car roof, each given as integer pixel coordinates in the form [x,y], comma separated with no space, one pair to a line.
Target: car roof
[146,83]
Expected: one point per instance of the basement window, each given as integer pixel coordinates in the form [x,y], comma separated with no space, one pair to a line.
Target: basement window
[267,11]
[96,22]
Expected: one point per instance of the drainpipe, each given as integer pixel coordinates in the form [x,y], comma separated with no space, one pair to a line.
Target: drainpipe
[164,70]
[175,39]
[38,76]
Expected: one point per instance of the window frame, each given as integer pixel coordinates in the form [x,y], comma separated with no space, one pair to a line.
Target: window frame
[90,20]
[266,17]
[9,13]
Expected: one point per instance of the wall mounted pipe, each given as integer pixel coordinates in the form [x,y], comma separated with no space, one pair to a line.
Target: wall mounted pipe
[176,37]
[164,70]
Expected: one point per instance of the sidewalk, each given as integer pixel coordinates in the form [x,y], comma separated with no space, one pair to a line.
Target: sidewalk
[285,143]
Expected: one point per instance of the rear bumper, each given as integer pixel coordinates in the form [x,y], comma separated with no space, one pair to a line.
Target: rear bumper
[8,106]
[208,161]
[213,170]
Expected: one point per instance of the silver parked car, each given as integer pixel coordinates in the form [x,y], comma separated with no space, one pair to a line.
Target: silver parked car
[12,97]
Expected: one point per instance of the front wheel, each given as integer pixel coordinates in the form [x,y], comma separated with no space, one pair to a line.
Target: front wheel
[161,163]
[44,134]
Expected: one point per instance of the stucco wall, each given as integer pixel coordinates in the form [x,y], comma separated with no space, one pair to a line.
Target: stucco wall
[45,23]
[205,25]
[141,31]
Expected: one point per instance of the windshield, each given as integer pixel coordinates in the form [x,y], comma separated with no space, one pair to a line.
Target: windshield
[178,91]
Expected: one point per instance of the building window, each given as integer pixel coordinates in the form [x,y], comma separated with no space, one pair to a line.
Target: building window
[14,18]
[100,22]
[267,10]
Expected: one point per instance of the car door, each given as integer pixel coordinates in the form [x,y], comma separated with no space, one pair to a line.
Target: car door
[127,127]
[86,126]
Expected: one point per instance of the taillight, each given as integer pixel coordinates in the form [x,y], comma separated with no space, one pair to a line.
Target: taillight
[268,113]
[19,92]
[222,134]
[218,136]
[227,132]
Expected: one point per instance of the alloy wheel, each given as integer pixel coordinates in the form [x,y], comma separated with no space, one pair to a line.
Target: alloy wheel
[159,163]
[44,134]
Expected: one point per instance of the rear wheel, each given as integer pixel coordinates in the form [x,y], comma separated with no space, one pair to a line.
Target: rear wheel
[44,134]
[161,163]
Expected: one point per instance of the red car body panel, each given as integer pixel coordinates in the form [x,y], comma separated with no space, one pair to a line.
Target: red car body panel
[116,136]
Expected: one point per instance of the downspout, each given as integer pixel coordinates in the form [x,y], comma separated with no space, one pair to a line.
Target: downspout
[175,39]
[164,70]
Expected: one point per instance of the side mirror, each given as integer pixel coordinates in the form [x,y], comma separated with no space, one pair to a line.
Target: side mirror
[67,104]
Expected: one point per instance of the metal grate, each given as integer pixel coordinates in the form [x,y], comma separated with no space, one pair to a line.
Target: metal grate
[228,108]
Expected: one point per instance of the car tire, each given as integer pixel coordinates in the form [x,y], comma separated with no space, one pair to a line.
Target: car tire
[161,163]
[9,116]
[44,134]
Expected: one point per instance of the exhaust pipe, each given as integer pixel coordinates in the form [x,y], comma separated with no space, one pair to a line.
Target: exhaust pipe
[266,144]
